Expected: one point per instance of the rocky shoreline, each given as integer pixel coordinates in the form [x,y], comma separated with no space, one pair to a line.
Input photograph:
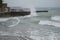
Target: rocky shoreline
[13,14]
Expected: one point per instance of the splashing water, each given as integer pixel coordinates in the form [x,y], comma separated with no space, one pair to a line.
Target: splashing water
[33,11]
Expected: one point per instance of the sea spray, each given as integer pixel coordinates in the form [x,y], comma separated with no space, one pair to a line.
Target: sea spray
[32,10]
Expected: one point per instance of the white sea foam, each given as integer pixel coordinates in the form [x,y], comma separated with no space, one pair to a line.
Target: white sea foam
[35,35]
[10,18]
[56,24]
[3,19]
[47,22]
[57,18]
[27,16]
[14,24]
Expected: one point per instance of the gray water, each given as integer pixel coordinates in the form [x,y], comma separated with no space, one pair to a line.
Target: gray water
[30,27]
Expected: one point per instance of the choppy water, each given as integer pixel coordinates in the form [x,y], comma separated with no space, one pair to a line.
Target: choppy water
[34,28]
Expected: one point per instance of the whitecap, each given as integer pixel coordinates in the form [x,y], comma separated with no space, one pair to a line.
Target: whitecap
[56,18]
[45,22]
[56,24]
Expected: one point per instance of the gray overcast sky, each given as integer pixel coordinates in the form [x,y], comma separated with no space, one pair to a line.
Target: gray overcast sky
[36,3]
